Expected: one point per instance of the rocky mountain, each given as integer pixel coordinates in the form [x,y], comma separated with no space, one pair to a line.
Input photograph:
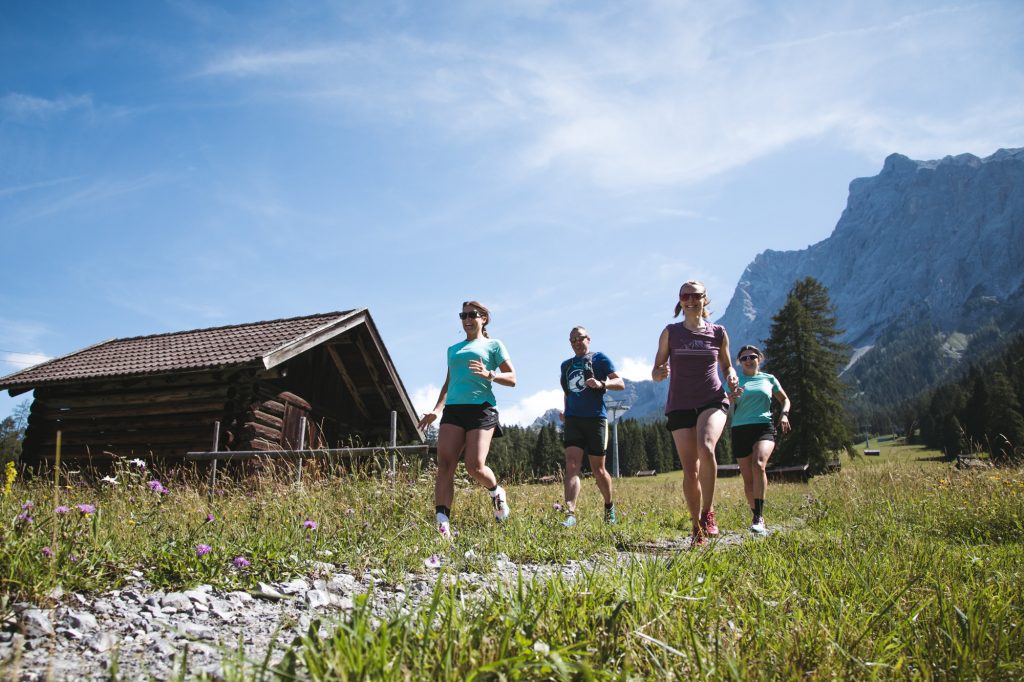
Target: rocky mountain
[645,399]
[936,243]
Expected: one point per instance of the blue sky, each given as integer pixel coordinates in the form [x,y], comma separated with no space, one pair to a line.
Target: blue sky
[174,165]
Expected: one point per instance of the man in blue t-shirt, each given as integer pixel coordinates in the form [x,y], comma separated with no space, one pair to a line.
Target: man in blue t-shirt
[585,378]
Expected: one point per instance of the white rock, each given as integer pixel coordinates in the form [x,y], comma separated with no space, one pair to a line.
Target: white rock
[176,600]
[36,623]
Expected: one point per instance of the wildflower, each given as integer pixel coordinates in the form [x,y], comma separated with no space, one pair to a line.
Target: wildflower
[350,512]
[23,517]
[157,487]
[541,647]
[10,473]
[309,524]
[432,561]
[241,562]
[203,550]
[210,518]
[28,506]
[47,552]
[86,509]
[61,510]
[109,479]
[137,463]
[557,507]
[73,558]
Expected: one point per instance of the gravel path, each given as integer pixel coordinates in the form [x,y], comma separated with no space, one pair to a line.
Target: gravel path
[146,630]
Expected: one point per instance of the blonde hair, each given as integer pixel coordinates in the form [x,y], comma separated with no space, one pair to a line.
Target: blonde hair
[705,313]
[482,308]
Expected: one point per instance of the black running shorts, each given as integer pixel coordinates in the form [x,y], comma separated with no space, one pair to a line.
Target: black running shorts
[588,433]
[472,417]
[744,437]
[687,419]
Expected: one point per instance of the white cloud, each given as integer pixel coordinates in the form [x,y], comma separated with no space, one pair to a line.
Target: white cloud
[15,362]
[522,413]
[424,398]
[635,369]
[529,408]
[22,106]
[658,94]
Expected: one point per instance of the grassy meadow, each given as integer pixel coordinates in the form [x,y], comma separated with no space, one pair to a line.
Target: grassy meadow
[893,568]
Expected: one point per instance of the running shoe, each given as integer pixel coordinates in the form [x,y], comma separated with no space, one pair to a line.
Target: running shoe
[698,539]
[501,510]
[444,529]
[758,526]
[707,523]
[609,516]
[570,521]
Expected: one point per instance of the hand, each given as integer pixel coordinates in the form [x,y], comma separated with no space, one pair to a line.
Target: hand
[733,381]
[660,372]
[561,416]
[427,419]
[594,383]
[735,393]
[477,368]
[784,424]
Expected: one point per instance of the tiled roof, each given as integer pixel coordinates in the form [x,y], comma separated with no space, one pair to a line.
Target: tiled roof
[196,349]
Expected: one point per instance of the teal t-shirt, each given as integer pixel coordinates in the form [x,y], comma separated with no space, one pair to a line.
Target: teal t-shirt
[464,387]
[754,406]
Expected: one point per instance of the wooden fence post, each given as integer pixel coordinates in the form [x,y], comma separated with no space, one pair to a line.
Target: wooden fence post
[213,469]
[302,446]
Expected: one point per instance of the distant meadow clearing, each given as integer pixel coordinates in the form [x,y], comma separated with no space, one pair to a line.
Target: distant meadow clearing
[892,568]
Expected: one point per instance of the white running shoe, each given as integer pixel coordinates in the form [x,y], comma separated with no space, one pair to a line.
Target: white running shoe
[758,526]
[570,521]
[501,510]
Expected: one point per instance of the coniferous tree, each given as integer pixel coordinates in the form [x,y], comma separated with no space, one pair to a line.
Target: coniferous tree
[802,352]
[1005,432]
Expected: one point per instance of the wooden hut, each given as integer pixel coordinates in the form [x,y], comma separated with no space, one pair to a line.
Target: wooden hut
[158,397]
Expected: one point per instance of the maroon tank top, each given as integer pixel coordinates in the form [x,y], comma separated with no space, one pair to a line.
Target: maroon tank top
[693,364]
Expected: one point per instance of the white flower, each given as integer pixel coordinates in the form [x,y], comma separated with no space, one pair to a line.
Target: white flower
[432,561]
[137,462]
[541,648]
[470,554]
[109,479]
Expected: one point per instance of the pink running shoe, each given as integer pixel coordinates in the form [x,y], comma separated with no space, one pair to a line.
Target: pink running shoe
[707,523]
[698,539]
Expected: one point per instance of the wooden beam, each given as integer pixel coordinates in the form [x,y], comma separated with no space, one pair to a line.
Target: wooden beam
[349,384]
[313,339]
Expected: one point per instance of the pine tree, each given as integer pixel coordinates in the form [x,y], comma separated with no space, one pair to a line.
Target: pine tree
[802,352]
[1005,431]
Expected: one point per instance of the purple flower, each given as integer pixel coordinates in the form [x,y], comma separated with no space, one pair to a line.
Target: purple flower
[432,561]
[28,505]
[210,518]
[157,487]
[73,558]
[86,509]
[350,512]
[61,510]
[309,524]
[203,550]
[241,562]
[47,552]
[23,517]
[557,506]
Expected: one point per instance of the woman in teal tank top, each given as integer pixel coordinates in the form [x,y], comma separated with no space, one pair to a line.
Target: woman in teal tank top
[469,418]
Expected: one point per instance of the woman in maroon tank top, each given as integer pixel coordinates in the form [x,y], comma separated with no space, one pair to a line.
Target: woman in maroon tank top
[689,355]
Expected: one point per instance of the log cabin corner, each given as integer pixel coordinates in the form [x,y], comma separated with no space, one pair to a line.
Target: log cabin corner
[158,397]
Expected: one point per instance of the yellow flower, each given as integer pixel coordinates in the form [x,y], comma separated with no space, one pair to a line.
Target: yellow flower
[10,473]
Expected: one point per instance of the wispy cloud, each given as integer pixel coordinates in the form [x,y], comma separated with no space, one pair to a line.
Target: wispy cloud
[13,362]
[97,191]
[659,94]
[21,106]
[42,184]
[635,369]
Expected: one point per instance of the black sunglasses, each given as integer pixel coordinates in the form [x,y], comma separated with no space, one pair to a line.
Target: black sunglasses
[472,314]
[691,297]
[577,339]
[749,358]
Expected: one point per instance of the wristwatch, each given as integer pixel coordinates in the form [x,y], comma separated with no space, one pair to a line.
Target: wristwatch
[785,413]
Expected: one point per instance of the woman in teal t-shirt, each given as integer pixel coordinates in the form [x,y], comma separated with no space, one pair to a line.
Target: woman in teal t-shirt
[753,434]
[468,415]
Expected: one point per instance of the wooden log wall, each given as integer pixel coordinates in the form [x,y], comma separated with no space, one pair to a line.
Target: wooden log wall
[272,422]
[155,418]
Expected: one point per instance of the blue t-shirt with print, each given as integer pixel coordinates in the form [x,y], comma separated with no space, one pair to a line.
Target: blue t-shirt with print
[581,401]
[464,387]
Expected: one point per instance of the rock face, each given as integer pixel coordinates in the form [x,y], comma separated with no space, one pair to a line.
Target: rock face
[922,241]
